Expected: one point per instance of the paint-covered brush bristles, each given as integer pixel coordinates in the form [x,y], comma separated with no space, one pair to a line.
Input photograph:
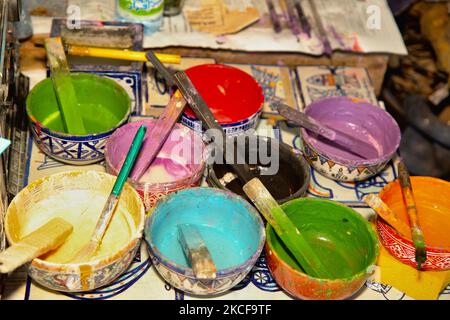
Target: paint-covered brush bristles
[91,248]
[63,86]
[382,209]
[411,209]
[197,252]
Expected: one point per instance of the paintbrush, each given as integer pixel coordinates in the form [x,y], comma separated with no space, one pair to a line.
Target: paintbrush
[382,209]
[163,126]
[306,27]
[411,210]
[111,203]
[273,16]
[48,237]
[64,89]
[117,54]
[120,54]
[255,190]
[320,29]
[342,139]
[196,251]
[293,20]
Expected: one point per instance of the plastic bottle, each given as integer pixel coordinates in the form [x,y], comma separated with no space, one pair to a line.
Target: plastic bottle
[147,12]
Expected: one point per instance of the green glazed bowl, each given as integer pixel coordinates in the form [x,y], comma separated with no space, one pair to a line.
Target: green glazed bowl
[344,241]
[103,104]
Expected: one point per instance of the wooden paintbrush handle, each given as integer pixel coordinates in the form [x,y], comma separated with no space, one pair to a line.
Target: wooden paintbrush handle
[46,238]
[382,209]
[63,86]
[411,209]
[408,196]
[305,121]
[197,252]
[158,135]
[105,219]
[285,229]
[120,54]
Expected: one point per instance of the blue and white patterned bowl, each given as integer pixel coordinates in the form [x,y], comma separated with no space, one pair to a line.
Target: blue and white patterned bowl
[222,87]
[211,210]
[69,148]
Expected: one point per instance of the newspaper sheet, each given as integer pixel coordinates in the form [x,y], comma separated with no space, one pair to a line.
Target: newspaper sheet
[364,26]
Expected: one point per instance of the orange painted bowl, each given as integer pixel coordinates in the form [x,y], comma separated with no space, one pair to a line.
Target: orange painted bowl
[344,241]
[78,197]
[432,197]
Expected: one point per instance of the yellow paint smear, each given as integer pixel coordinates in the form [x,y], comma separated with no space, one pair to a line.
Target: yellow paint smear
[423,285]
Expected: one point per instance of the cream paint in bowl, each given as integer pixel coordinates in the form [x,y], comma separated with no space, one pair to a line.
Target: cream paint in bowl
[78,197]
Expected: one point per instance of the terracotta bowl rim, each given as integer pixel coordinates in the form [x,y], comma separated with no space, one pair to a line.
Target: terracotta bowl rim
[393,231]
[405,241]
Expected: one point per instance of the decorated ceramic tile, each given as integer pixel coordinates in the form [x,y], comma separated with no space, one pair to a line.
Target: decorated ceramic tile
[318,82]
[278,84]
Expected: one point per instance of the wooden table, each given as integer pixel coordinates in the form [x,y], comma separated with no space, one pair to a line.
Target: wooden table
[376,64]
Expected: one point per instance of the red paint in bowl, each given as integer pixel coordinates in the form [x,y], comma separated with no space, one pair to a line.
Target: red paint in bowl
[235,98]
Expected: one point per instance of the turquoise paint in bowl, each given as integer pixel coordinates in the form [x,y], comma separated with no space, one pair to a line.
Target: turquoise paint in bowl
[232,229]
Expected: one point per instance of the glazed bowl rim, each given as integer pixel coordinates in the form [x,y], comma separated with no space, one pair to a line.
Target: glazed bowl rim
[363,273]
[404,240]
[303,163]
[158,185]
[97,263]
[346,162]
[246,75]
[79,137]
[223,273]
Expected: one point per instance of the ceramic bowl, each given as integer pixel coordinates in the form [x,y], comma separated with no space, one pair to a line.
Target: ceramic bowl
[221,87]
[231,228]
[105,107]
[183,146]
[286,176]
[432,197]
[77,197]
[338,164]
[343,240]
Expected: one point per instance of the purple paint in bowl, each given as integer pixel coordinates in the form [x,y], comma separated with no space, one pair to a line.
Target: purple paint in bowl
[361,119]
[179,164]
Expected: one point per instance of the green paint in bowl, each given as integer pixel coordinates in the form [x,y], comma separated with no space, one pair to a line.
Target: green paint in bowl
[102,102]
[343,240]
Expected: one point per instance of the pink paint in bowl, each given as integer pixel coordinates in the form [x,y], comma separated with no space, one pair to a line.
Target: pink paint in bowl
[179,164]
